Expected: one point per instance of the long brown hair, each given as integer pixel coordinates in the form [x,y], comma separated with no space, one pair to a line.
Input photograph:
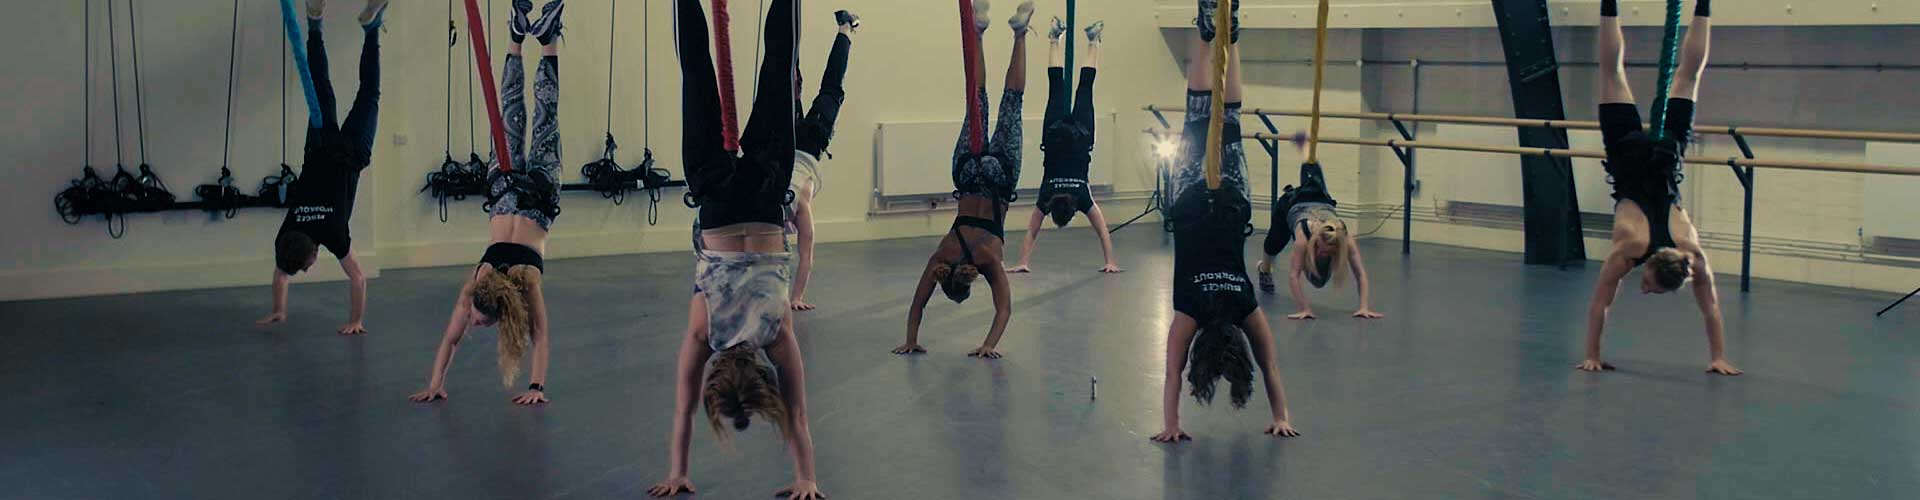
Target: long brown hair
[1220,351]
[502,296]
[737,387]
[1334,241]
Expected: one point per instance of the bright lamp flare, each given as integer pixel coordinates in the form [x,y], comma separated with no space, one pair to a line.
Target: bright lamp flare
[1166,148]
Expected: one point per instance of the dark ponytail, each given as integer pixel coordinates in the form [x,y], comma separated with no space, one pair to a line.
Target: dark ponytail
[1220,351]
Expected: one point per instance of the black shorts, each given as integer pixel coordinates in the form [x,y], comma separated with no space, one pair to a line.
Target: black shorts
[1636,165]
[1209,262]
[1075,188]
[742,190]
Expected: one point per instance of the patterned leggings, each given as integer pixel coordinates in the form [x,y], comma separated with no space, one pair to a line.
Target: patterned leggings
[995,173]
[541,169]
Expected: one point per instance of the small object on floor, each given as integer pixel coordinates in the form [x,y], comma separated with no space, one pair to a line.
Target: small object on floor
[1094,392]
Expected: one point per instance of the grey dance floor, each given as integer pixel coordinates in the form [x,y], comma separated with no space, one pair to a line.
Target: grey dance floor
[1466,390]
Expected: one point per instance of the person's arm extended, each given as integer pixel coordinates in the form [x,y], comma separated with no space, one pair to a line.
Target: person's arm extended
[1100,230]
[1002,311]
[1708,296]
[542,339]
[1179,337]
[1032,238]
[785,354]
[449,342]
[1296,274]
[803,270]
[1260,340]
[356,295]
[1611,273]
[279,314]
[1360,281]
[921,293]
[692,358]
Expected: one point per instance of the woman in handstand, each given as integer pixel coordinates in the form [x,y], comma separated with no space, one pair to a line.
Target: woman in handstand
[739,356]
[1067,144]
[505,289]
[983,181]
[1649,227]
[814,132]
[1216,320]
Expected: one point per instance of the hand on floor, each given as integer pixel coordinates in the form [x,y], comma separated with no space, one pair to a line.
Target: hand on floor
[1112,269]
[272,319]
[432,394]
[530,398]
[1020,269]
[801,305]
[909,348]
[801,490]
[1171,435]
[354,328]
[1367,313]
[1306,314]
[1722,367]
[1593,365]
[672,486]
[984,352]
[1281,428]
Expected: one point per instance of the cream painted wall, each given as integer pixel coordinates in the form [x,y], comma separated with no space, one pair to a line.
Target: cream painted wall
[905,67]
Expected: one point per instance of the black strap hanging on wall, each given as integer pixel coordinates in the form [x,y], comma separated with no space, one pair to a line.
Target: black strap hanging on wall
[221,196]
[455,181]
[605,175]
[64,202]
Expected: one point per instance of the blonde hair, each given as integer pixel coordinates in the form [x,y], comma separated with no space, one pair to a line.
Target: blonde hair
[1671,268]
[1335,242]
[956,281]
[502,296]
[737,387]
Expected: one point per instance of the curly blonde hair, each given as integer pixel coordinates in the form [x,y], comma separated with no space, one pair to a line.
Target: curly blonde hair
[502,296]
[956,281]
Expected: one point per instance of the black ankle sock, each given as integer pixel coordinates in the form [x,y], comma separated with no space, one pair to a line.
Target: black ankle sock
[1609,8]
[1703,9]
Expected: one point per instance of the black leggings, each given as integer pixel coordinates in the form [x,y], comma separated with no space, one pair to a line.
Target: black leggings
[1312,189]
[815,129]
[751,188]
[1081,112]
[357,133]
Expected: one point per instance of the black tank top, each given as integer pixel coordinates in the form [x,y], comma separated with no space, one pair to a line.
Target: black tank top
[503,256]
[995,227]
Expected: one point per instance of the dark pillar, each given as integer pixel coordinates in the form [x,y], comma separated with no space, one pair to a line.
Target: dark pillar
[1552,211]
